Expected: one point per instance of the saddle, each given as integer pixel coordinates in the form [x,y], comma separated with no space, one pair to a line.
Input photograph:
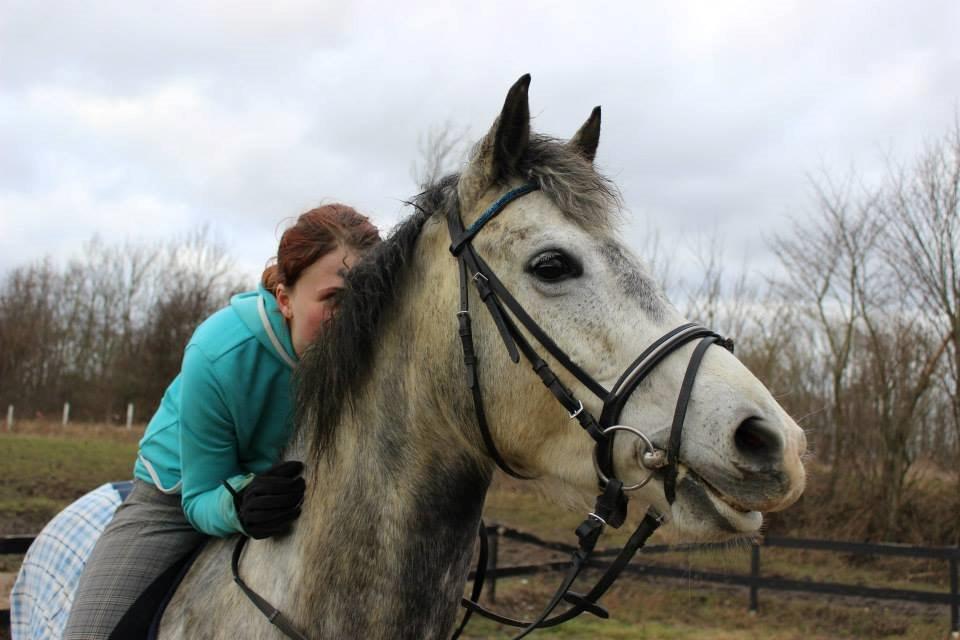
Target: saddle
[142,619]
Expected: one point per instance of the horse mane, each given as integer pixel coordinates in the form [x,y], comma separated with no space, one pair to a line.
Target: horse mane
[338,361]
[337,364]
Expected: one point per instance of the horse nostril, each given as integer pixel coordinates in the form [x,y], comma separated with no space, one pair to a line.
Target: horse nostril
[755,440]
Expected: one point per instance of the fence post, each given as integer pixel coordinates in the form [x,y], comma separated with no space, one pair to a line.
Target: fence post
[954,600]
[9,417]
[494,551]
[754,575]
[129,414]
[66,413]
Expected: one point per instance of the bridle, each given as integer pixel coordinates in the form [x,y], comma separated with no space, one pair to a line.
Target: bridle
[611,504]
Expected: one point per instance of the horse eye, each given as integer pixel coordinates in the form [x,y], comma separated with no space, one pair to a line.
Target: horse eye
[554,266]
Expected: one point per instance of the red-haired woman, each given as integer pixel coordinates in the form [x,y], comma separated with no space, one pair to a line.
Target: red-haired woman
[207,463]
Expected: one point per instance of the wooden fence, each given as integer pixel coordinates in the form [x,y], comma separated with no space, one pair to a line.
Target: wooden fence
[65,416]
[12,545]
[753,580]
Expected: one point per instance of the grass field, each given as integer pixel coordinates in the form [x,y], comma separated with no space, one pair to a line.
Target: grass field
[45,467]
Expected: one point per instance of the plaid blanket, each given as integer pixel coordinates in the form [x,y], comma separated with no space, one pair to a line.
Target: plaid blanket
[41,597]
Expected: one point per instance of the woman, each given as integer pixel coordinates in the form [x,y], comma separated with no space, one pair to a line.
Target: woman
[207,463]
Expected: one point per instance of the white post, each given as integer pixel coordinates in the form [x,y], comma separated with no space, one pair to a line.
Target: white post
[9,417]
[129,414]
[66,413]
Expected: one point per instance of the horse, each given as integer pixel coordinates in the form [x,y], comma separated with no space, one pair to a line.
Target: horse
[398,464]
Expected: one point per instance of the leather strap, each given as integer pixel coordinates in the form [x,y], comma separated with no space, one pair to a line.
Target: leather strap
[479,577]
[462,238]
[636,373]
[588,534]
[538,333]
[468,264]
[683,400]
[582,603]
[273,615]
[550,380]
[471,361]
[493,294]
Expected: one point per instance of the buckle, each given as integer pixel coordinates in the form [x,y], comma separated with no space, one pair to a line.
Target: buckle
[597,518]
[578,410]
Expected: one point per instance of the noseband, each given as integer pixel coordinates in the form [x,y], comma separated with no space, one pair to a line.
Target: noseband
[611,504]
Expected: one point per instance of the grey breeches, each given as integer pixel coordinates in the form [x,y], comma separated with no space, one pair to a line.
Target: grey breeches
[146,536]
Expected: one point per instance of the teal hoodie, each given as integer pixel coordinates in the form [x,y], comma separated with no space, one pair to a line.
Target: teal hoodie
[227,415]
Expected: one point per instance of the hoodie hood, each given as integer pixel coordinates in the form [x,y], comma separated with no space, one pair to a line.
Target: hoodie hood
[261,315]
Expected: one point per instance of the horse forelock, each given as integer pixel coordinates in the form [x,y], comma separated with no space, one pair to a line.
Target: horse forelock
[337,364]
[584,195]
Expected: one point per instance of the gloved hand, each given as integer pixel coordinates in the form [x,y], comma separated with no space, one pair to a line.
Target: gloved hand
[271,501]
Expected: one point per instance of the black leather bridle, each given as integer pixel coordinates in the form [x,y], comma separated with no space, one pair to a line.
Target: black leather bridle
[611,503]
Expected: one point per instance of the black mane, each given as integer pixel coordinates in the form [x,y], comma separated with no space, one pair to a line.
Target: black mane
[338,362]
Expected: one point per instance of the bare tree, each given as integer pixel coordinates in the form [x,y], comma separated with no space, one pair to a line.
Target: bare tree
[823,260]
[440,150]
[922,221]
[896,365]
[110,327]
[876,311]
[194,276]
[30,334]
[718,299]
[659,261]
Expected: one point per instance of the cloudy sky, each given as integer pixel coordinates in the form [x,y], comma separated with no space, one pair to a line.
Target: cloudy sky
[144,120]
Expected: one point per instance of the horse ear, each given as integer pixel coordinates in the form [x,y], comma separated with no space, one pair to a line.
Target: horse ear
[498,153]
[585,140]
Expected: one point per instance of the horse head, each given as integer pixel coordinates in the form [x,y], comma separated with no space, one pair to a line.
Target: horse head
[558,251]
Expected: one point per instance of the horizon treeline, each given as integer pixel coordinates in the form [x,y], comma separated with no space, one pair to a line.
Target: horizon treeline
[109,327]
[857,335]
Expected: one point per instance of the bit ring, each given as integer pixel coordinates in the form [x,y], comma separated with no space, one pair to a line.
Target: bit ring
[648,448]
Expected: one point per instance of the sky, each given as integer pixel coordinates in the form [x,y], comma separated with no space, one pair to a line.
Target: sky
[146,120]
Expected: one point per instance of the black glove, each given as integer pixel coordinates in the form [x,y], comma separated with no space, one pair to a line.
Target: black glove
[271,501]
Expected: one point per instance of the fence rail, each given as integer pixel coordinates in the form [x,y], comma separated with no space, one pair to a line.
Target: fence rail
[754,580]
[12,545]
[65,416]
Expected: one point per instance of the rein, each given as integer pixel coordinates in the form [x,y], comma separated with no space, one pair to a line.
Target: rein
[611,503]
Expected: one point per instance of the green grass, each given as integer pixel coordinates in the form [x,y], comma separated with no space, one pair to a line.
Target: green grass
[678,610]
[672,610]
[44,473]
[509,505]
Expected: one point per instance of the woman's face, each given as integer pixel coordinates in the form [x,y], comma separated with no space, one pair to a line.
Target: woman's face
[311,301]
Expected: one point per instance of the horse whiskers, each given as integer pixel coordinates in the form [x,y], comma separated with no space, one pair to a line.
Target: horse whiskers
[810,415]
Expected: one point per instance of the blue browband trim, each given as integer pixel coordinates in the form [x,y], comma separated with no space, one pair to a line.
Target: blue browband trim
[489,214]
[498,206]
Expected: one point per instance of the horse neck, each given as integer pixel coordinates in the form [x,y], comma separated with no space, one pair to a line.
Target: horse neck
[391,516]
